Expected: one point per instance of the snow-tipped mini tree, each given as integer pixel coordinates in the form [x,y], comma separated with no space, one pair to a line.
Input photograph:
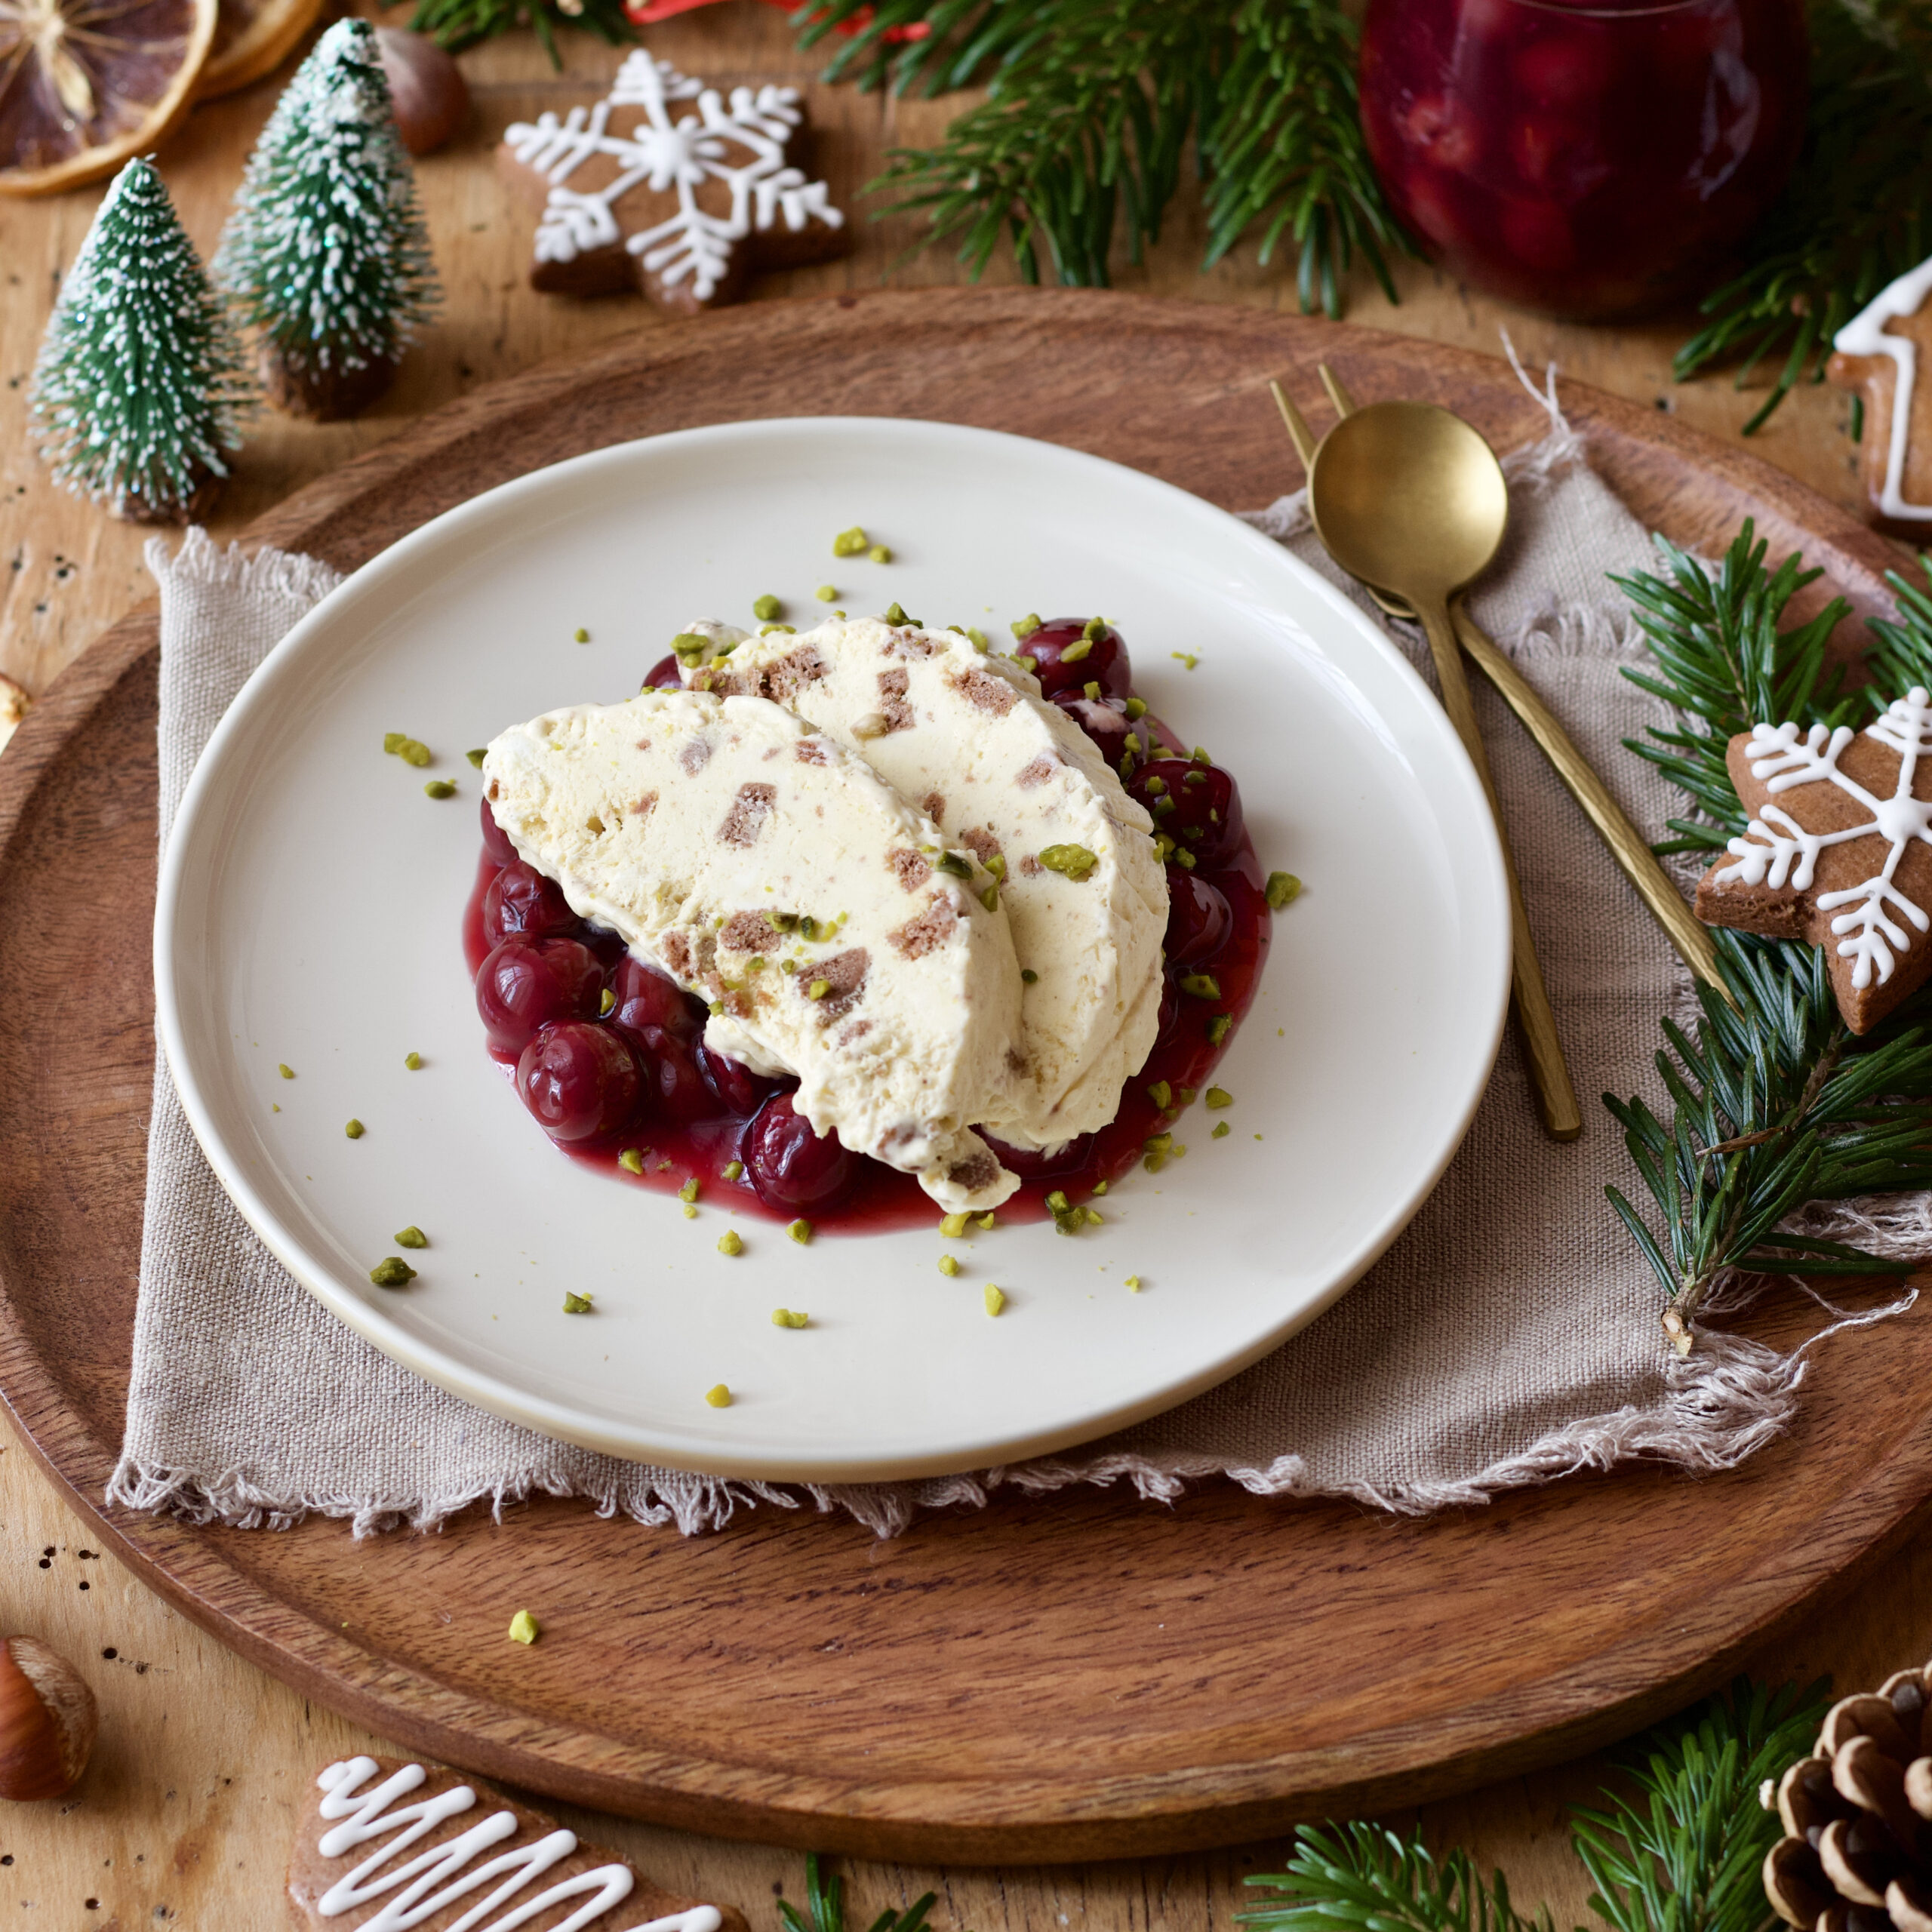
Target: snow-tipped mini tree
[140,384]
[325,252]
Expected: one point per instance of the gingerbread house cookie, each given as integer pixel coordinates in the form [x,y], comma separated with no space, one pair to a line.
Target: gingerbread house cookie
[391,1845]
[1837,852]
[1878,352]
[641,190]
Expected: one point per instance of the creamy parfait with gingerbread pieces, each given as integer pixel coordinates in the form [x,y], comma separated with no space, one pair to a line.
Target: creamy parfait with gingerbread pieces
[863,919]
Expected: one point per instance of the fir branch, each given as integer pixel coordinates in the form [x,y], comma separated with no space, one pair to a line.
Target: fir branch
[1858,211]
[1285,152]
[456,24]
[1685,1855]
[1723,663]
[1088,116]
[825,1907]
[1901,653]
[1365,1877]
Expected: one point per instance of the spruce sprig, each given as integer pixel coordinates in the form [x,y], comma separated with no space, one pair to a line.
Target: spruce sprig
[1685,1854]
[1901,653]
[1773,1102]
[1858,211]
[1723,662]
[825,1907]
[456,24]
[1680,1855]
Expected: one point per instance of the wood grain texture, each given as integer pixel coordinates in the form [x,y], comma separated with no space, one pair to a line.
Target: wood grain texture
[1209,1672]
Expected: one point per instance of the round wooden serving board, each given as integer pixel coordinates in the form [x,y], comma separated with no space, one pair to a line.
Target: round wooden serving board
[1081,1677]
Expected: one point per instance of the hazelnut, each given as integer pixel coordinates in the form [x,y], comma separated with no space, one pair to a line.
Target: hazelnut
[47,1721]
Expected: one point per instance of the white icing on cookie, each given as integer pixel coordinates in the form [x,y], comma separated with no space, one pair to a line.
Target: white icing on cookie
[437,1878]
[1865,334]
[682,156]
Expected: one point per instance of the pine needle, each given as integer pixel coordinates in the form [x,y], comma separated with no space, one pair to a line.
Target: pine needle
[825,1907]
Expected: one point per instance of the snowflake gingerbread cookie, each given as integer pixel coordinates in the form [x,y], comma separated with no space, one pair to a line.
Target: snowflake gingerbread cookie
[1878,354]
[635,192]
[1838,851]
[399,1848]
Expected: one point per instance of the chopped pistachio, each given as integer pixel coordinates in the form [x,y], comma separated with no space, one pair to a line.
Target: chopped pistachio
[1075,653]
[1133,1285]
[1093,629]
[894,615]
[412,1061]
[1186,657]
[1158,1143]
[788,1318]
[1056,1202]
[818,989]
[1027,973]
[952,1226]
[765,630]
[1184,860]
[767,607]
[631,1161]
[689,644]
[734,1171]
[1154,1162]
[947,1265]
[996,865]
[1164,846]
[788,965]
[956,863]
[849,542]
[1131,744]
[606,1003]
[392,1271]
[719,1397]
[1137,709]
[355,1130]
[880,554]
[1068,1221]
[1027,625]
[688,1192]
[1100,1187]
[1161,1094]
[976,637]
[583,636]
[523,1628]
[576,1304]
[476,757]
[439,787]
[1095,1218]
[1179,1150]
[1155,786]
[801,1231]
[994,1300]
[286,1071]
[825,593]
[1199,756]
[1027,662]
[690,1213]
[986,1220]
[1090,691]
[411,1236]
[1074,862]
[1197,776]
[989,899]
[1219,1097]
[1184,1096]
[1200,985]
[394,741]
[1282,889]
[1221,1131]
[1163,806]
[730,1242]
[1217,1028]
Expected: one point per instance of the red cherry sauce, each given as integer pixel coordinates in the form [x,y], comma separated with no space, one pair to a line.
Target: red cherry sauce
[711,1133]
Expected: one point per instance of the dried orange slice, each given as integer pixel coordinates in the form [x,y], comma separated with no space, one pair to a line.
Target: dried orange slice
[85,83]
[252,37]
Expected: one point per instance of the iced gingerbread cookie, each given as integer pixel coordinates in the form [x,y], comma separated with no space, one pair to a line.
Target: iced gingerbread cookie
[1879,351]
[392,1845]
[1838,851]
[664,186]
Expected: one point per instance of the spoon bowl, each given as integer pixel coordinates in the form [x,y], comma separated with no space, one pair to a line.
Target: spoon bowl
[1408,497]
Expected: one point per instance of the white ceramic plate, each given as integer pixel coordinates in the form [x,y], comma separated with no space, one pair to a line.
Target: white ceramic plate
[311,900]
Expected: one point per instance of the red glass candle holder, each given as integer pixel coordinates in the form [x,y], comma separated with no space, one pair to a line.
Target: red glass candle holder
[1587,161]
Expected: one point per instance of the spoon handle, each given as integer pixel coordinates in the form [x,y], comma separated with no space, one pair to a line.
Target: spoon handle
[1549,1073]
[1627,846]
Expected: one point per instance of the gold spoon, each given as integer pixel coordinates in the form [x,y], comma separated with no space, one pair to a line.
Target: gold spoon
[1627,845]
[1408,497]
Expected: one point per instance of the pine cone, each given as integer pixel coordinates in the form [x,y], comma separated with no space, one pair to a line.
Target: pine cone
[1856,1855]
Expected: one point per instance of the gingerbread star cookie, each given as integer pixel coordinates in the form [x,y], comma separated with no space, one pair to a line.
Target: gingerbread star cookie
[637,191]
[1879,353]
[391,1845]
[1838,851]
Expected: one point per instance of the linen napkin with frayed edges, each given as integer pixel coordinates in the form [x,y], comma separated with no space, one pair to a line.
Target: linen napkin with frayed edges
[1510,1337]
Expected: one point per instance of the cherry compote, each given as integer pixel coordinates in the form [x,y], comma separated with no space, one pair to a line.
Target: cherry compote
[608,1056]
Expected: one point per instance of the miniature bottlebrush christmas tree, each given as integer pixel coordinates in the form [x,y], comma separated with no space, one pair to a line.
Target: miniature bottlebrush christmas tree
[326,253]
[139,383]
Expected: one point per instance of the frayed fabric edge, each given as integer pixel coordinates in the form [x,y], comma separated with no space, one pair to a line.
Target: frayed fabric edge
[1730,1399]
[200,562]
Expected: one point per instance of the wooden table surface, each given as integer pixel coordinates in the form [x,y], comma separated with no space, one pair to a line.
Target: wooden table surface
[204,1763]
